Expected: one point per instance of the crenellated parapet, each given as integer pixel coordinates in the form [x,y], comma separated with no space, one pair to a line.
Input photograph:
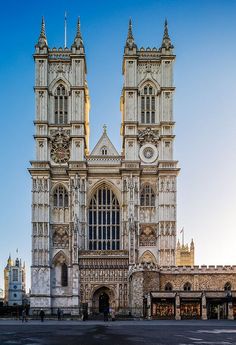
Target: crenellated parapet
[204,269]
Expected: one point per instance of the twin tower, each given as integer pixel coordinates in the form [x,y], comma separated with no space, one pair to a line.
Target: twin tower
[99,216]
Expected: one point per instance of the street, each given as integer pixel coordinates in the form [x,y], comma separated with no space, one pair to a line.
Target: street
[117,333]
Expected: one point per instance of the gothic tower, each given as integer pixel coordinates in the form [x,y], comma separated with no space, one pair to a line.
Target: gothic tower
[61,140]
[147,144]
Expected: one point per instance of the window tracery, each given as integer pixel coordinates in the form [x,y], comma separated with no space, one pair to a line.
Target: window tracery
[148,105]
[60,197]
[147,196]
[168,287]
[187,286]
[61,105]
[104,220]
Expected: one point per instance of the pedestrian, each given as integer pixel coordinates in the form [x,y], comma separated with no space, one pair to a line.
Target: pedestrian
[24,315]
[42,314]
[61,312]
[105,312]
[58,314]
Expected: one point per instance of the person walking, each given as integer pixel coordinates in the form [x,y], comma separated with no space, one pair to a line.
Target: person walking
[42,314]
[24,315]
[58,314]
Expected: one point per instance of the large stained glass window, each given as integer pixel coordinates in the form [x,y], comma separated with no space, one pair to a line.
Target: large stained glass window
[104,220]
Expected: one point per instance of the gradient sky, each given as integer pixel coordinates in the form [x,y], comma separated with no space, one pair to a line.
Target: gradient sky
[203,33]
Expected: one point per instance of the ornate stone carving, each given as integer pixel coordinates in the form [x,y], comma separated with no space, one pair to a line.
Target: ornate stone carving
[60,237]
[147,237]
[148,136]
[60,151]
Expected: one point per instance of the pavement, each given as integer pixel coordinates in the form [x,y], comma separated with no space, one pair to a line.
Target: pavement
[118,332]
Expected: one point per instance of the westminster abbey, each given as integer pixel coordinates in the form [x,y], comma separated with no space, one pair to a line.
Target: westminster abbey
[103,221]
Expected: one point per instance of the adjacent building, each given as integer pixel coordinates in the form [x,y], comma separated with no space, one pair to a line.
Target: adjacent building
[14,282]
[103,221]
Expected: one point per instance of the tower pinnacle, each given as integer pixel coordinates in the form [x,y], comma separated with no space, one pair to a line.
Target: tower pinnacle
[166,41]
[42,41]
[130,38]
[78,41]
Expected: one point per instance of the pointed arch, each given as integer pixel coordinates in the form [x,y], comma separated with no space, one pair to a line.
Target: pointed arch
[60,258]
[187,287]
[60,196]
[148,257]
[152,82]
[109,184]
[228,286]
[59,80]
[103,219]
[168,287]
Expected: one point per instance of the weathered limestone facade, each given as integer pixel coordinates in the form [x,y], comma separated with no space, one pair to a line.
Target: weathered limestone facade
[103,222]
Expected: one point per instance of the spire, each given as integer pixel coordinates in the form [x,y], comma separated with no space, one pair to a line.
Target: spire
[42,41]
[130,38]
[166,42]
[78,41]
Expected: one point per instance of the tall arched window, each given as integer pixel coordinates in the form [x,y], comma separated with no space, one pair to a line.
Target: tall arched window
[60,197]
[64,274]
[148,105]
[187,286]
[147,196]
[61,105]
[104,220]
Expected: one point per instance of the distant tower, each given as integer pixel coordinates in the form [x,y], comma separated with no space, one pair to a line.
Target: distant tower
[14,282]
[184,254]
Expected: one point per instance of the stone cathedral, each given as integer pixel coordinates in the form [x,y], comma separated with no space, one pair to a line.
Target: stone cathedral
[103,221]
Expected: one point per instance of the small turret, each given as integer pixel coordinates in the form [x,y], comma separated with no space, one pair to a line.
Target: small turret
[166,42]
[130,44]
[42,41]
[78,41]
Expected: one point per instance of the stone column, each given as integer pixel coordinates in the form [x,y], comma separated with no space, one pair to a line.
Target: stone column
[149,306]
[177,307]
[230,311]
[204,308]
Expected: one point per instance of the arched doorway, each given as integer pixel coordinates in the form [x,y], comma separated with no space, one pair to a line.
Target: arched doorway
[103,299]
[103,302]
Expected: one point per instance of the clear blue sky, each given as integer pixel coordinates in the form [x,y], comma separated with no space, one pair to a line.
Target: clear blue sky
[203,33]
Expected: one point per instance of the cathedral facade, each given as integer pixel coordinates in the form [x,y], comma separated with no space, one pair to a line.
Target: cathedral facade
[104,222]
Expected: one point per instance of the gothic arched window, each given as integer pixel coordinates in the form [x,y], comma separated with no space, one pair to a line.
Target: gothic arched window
[61,105]
[64,275]
[227,287]
[168,287]
[147,196]
[60,197]
[148,105]
[187,286]
[104,220]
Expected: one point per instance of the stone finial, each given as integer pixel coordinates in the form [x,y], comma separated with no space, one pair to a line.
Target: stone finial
[166,42]
[78,41]
[42,41]
[104,128]
[130,38]
[192,244]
